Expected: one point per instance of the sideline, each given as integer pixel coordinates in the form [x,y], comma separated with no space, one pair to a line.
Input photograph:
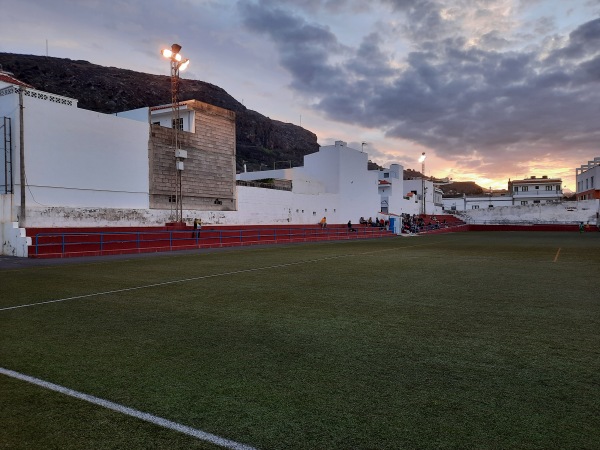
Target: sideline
[204,277]
[199,434]
[557,253]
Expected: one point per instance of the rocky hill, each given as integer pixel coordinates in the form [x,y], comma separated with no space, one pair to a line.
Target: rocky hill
[462,187]
[260,140]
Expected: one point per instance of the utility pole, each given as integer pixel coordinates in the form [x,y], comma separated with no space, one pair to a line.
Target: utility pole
[22,221]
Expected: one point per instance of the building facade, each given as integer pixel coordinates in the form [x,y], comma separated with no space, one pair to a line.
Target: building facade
[588,180]
[526,192]
[534,190]
[206,134]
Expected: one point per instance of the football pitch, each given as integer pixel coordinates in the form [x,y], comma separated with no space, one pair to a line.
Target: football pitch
[486,340]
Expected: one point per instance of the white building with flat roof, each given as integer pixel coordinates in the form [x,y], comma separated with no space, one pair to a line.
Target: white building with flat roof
[536,190]
[588,180]
[526,192]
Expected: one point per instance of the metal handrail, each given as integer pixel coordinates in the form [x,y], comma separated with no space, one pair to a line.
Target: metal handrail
[102,241]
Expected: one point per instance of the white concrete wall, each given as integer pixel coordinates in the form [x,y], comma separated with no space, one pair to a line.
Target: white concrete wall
[336,179]
[468,203]
[256,206]
[567,212]
[13,239]
[322,166]
[357,186]
[80,158]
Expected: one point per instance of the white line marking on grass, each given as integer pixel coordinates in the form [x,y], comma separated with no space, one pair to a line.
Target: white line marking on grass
[199,434]
[203,277]
[165,283]
[557,253]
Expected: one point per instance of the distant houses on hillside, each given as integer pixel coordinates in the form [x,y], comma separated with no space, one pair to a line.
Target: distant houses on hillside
[529,191]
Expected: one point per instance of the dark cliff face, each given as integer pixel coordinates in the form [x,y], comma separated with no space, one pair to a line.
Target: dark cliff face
[260,140]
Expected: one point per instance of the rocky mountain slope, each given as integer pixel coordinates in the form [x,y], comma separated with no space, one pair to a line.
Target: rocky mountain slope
[260,140]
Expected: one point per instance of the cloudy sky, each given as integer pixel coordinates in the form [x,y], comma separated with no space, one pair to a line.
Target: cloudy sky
[489,89]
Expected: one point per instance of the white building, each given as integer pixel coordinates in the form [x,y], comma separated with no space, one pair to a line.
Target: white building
[431,203]
[588,180]
[467,203]
[529,191]
[85,169]
[335,183]
[55,155]
[536,190]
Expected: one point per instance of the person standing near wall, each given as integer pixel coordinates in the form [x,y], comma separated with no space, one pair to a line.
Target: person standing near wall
[197,227]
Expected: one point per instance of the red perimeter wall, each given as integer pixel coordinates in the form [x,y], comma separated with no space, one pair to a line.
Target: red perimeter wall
[541,227]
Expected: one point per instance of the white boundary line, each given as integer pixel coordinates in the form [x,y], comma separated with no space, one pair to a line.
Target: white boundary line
[199,434]
[165,283]
[203,277]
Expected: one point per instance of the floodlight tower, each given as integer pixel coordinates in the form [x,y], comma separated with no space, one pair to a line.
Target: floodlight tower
[177,63]
[422,161]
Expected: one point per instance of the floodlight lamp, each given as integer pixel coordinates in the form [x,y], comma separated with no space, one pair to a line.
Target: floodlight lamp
[166,53]
[175,48]
[184,64]
[422,158]
[177,57]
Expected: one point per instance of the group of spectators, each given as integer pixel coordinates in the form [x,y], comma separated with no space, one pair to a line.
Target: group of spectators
[416,224]
[379,223]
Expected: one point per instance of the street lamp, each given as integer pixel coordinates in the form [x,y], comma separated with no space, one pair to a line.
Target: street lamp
[422,161]
[177,63]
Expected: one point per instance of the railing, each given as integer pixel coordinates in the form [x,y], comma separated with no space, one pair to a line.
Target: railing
[264,185]
[472,221]
[96,243]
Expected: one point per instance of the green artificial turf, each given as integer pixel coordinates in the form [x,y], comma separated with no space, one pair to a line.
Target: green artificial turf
[467,340]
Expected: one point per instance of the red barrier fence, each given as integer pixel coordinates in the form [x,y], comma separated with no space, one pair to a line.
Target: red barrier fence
[67,242]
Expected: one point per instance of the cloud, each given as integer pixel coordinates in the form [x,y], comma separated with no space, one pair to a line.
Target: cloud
[467,86]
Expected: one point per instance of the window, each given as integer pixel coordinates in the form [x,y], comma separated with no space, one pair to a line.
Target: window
[172,199]
[475,207]
[490,206]
[592,182]
[525,188]
[179,123]
[523,202]
[537,187]
[386,175]
[548,188]
[536,201]
[516,188]
[155,123]
[557,188]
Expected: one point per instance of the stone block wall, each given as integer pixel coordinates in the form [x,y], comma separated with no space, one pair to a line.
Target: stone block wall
[208,178]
